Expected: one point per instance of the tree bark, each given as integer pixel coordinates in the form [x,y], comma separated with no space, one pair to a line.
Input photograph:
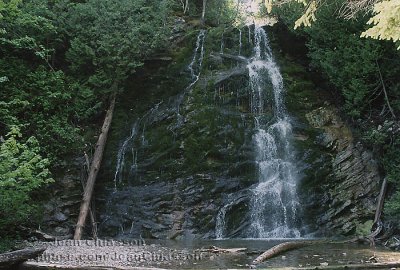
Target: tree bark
[94,169]
[214,249]
[185,10]
[287,246]
[91,207]
[381,200]
[203,13]
[11,258]
[278,249]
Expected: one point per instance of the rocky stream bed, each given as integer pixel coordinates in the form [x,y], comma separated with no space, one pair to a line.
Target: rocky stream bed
[110,254]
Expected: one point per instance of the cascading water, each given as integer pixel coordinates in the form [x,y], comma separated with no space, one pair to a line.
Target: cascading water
[274,201]
[132,158]
[195,69]
[121,155]
[273,208]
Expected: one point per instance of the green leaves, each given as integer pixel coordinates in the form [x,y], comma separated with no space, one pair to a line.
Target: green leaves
[22,170]
[386,21]
[44,104]
[111,39]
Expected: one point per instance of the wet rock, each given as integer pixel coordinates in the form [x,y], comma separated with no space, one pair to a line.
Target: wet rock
[354,178]
[60,217]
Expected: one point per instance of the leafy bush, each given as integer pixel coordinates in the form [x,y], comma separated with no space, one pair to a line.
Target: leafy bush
[22,171]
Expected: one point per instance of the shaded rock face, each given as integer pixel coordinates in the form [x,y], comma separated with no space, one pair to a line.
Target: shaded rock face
[353,182]
[60,212]
[174,162]
[177,157]
[340,177]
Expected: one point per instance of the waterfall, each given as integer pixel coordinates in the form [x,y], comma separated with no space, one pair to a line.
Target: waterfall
[274,201]
[197,59]
[195,69]
[121,154]
[220,222]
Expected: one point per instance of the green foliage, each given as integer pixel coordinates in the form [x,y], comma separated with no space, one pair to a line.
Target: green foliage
[360,69]
[351,64]
[26,32]
[391,163]
[44,104]
[114,38]
[22,171]
[6,244]
[386,21]
[58,62]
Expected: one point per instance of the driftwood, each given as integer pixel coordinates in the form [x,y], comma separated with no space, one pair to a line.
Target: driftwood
[94,169]
[287,246]
[214,249]
[283,247]
[11,258]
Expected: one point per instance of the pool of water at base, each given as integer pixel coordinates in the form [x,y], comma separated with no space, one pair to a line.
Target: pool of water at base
[326,254]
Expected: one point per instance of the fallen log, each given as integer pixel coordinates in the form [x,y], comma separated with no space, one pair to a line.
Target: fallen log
[281,248]
[214,249]
[94,169]
[7,260]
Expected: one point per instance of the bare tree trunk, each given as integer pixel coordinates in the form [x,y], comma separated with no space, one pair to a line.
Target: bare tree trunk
[94,169]
[185,6]
[91,207]
[203,13]
[185,10]
[381,200]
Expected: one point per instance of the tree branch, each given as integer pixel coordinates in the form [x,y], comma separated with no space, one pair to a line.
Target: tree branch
[384,91]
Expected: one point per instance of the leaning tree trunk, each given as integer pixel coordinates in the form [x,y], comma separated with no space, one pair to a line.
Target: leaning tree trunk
[94,169]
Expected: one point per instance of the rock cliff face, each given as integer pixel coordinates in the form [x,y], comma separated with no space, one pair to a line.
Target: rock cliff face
[180,159]
[353,183]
